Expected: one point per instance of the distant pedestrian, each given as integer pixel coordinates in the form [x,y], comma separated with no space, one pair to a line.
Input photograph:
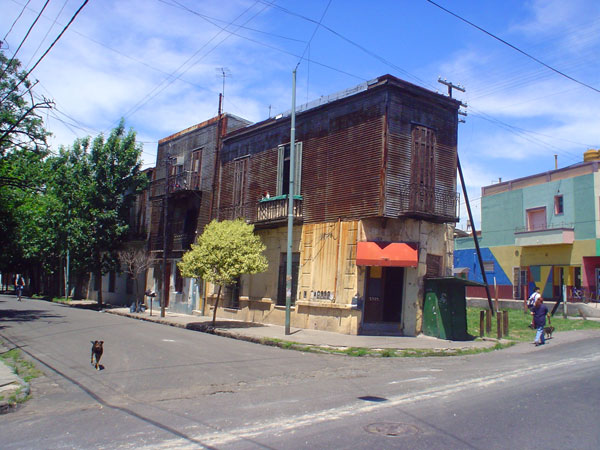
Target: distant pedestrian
[19,285]
[539,312]
[531,302]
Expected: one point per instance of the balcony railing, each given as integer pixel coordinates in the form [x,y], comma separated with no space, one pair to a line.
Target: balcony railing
[182,242]
[563,233]
[184,181]
[419,200]
[275,209]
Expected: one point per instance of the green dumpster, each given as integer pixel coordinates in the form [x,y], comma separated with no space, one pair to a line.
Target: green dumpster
[445,308]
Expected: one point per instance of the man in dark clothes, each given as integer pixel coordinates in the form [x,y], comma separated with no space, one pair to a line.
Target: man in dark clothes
[539,312]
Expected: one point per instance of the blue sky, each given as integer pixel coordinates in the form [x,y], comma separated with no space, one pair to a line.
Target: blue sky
[157,63]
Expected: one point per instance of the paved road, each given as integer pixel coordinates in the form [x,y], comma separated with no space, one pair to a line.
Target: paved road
[165,387]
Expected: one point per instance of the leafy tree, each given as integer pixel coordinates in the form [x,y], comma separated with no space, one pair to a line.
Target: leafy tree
[23,148]
[21,126]
[223,252]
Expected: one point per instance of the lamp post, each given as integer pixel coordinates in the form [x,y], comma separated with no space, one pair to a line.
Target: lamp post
[290,226]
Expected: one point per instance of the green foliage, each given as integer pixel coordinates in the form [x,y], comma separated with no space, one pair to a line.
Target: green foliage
[223,252]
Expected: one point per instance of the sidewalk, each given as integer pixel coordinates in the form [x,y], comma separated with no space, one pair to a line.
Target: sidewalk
[275,334]
[12,387]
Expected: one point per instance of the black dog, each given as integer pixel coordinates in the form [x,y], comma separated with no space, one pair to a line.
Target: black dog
[97,350]
[548,331]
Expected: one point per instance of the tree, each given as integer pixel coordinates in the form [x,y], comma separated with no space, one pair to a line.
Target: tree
[222,253]
[136,262]
[21,126]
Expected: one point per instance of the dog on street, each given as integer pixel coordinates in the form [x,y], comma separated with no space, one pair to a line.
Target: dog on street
[97,350]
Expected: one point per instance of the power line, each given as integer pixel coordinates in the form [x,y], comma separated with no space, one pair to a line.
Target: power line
[515,48]
[24,39]
[315,31]
[47,33]
[46,52]
[16,20]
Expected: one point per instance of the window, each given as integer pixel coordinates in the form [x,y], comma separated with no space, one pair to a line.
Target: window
[129,284]
[488,266]
[282,277]
[231,295]
[178,280]
[558,204]
[423,162]
[196,166]
[536,219]
[111,281]
[283,169]
[240,173]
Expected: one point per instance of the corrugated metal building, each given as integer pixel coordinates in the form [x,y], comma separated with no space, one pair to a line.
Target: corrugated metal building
[375,207]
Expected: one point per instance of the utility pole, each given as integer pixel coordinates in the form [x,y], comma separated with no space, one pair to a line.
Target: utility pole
[466,195]
[290,230]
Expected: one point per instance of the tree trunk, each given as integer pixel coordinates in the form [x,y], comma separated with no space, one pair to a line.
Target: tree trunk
[98,276]
[216,305]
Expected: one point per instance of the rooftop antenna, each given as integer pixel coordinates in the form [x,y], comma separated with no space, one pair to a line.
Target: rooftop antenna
[223,72]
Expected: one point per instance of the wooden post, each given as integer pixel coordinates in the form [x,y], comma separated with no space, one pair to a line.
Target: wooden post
[505,323]
[499,325]
[481,322]
[488,321]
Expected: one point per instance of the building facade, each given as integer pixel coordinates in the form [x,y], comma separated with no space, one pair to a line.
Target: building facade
[182,195]
[539,230]
[375,206]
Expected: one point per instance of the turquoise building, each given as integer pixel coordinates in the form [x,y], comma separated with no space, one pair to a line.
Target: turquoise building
[541,230]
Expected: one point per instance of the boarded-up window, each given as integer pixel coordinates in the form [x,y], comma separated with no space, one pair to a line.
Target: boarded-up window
[196,166]
[239,183]
[434,265]
[423,164]
[283,169]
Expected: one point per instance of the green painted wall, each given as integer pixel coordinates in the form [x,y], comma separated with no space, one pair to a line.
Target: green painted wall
[584,207]
[501,214]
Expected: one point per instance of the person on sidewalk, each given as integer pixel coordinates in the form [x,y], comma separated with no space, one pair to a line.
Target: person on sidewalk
[531,302]
[19,285]
[539,312]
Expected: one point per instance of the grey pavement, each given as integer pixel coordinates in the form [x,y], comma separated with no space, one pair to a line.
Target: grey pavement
[13,387]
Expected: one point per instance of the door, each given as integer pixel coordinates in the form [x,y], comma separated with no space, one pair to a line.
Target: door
[383,302]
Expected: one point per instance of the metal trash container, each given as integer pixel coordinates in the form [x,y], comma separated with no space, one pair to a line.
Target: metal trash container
[445,308]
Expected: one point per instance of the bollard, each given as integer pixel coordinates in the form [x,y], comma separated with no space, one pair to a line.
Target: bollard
[499,325]
[505,323]
[488,322]
[481,322]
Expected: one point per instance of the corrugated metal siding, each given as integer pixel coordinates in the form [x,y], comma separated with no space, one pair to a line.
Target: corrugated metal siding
[342,157]
[405,112]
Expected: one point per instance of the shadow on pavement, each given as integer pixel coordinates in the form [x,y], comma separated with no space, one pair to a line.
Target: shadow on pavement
[24,315]
[207,327]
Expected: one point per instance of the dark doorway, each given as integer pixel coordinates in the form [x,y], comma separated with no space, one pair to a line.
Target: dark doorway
[383,300]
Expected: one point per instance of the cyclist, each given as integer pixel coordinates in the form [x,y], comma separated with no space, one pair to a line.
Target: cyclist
[19,285]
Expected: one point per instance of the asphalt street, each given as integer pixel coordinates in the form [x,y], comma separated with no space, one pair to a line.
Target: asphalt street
[166,387]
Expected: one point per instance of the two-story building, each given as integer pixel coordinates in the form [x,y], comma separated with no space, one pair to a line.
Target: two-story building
[375,205]
[182,195]
[541,230]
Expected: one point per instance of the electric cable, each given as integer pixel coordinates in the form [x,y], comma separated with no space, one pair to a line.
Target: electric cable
[23,40]
[515,48]
[16,20]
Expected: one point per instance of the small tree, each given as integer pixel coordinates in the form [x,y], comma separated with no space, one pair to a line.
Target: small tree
[136,262]
[223,252]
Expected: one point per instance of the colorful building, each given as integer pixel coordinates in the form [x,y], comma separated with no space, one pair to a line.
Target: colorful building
[541,230]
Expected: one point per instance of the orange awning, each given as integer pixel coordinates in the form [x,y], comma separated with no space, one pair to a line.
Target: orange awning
[394,254]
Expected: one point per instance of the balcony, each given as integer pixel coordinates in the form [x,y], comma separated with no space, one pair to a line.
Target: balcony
[182,242]
[557,234]
[274,210]
[437,204]
[182,182]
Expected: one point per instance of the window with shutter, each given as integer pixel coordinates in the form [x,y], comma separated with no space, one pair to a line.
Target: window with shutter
[283,169]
